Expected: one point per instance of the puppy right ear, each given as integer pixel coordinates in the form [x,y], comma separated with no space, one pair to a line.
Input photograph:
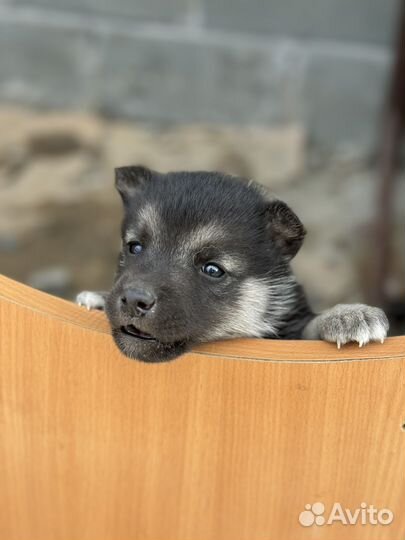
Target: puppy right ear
[129,179]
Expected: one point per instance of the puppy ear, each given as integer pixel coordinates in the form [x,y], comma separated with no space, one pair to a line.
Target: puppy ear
[129,179]
[286,229]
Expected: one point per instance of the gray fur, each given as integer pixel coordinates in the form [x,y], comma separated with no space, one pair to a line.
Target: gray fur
[349,322]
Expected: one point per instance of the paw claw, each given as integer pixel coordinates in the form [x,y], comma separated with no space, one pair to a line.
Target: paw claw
[353,323]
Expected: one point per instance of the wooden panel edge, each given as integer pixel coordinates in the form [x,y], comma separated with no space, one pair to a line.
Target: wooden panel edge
[243,349]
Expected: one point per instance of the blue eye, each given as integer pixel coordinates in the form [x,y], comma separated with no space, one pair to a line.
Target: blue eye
[135,248]
[212,270]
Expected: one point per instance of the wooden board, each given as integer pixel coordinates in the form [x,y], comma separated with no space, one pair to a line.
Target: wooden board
[229,442]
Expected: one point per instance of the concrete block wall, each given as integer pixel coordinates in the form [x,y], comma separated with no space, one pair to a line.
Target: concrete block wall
[321,63]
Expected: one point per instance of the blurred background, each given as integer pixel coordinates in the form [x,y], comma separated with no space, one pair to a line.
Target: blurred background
[305,96]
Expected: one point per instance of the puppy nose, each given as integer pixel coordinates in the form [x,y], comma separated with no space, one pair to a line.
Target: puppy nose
[139,301]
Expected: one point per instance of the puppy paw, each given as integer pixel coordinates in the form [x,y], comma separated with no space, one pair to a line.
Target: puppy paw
[353,322]
[91,300]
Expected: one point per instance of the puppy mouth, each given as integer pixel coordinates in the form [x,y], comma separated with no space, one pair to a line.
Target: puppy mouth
[139,345]
[131,330]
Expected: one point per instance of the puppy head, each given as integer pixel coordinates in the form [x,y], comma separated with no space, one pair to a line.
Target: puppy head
[204,256]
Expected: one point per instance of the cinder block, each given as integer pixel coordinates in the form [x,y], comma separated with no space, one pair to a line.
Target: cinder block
[143,10]
[343,98]
[366,21]
[193,81]
[46,65]
[335,93]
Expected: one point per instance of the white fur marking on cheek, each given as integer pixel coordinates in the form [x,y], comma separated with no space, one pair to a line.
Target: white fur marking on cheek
[248,318]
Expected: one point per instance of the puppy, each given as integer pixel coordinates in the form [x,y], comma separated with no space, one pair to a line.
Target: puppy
[206,256]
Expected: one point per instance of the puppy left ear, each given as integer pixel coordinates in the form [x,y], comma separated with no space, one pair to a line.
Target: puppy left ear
[129,179]
[286,229]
